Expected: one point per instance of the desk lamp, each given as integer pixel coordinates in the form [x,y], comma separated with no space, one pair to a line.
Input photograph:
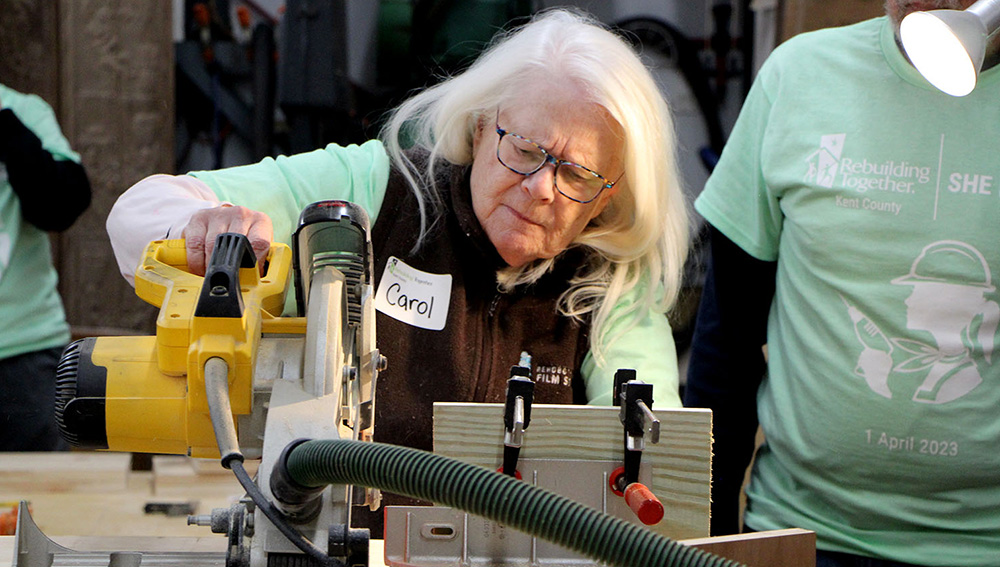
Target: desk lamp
[948,46]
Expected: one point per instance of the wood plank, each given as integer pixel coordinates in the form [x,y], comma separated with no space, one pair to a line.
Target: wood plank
[118,514]
[79,472]
[680,463]
[95,494]
[176,476]
[777,548]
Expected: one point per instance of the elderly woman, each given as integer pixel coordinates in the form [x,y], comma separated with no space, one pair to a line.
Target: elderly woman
[536,193]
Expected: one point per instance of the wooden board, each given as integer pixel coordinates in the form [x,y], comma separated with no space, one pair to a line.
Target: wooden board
[182,477]
[792,547]
[77,472]
[96,494]
[681,462]
[779,548]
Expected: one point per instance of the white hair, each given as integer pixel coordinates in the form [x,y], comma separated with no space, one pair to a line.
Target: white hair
[641,237]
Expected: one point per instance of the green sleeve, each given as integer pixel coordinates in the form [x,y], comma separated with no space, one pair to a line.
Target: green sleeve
[737,199]
[648,348]
[283,186]
[39,117]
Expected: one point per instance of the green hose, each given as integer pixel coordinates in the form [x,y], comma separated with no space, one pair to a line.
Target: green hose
[501,498]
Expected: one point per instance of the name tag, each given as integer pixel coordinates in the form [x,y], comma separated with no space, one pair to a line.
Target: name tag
[414,297]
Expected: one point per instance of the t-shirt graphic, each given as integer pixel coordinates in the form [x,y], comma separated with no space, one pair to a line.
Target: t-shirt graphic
[824,161]
[956,314]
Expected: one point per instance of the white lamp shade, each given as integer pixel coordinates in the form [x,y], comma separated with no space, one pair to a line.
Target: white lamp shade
[946,46]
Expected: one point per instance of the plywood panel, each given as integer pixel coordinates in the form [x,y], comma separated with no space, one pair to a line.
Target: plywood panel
[77,472]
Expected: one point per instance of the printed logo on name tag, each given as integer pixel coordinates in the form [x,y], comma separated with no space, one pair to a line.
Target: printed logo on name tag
[414,297]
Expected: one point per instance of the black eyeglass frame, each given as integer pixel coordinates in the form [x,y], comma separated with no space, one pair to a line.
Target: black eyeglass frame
[549,158]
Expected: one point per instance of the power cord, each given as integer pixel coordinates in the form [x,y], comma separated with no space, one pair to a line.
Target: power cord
[217,392]
[276,517]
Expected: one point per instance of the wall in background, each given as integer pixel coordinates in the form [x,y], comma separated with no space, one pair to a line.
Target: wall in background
[106,67]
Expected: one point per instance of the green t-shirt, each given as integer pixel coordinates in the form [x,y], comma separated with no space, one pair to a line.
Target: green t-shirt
[31,311]
[879,197]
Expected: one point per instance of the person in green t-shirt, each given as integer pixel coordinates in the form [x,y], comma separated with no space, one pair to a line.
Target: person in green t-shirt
[853,215]
[43,188]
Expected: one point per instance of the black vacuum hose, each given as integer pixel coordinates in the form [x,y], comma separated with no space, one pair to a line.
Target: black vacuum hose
[480,491]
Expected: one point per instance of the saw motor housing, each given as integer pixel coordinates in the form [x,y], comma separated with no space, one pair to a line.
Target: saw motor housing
[147,394]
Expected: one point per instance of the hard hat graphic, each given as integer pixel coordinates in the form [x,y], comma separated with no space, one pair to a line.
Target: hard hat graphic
[949,261]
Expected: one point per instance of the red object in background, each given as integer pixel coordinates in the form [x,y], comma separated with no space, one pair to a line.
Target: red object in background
[243,15]
[201,15]
[8,521]
[615,481]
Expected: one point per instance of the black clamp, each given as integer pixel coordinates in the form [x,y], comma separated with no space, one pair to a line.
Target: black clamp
[516,414]
[635,399]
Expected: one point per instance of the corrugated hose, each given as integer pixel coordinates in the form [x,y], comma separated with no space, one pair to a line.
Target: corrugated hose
[498,497]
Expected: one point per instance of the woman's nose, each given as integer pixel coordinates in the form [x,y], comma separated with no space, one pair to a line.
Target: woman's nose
[540,185]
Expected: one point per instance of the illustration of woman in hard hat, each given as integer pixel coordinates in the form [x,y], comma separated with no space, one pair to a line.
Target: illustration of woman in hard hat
[950,282]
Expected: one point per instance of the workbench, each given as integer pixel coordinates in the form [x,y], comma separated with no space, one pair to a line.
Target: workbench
[95,501]
[77,496]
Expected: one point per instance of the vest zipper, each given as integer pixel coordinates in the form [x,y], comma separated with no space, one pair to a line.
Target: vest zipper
[486,364]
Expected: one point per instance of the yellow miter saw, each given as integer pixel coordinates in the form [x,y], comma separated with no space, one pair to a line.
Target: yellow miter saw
[222,354]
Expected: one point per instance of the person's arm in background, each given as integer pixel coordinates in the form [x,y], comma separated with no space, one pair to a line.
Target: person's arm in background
[727,366]
[53,192]
[647,347]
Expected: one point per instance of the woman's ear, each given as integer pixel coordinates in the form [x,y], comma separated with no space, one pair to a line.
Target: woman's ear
[604,200]
[477,134]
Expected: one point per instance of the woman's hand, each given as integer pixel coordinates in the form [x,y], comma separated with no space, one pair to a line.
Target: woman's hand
[203,228]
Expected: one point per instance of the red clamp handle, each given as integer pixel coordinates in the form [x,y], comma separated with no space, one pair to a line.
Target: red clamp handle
[640,499]
[644,503]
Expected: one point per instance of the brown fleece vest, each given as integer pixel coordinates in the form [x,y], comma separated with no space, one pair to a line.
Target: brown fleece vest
[485,331]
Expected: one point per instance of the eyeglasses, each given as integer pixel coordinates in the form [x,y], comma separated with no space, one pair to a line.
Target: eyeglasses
[572,180]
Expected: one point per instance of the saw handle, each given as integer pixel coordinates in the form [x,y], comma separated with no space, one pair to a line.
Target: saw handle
[164,269]
[220,293]
[163,280]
